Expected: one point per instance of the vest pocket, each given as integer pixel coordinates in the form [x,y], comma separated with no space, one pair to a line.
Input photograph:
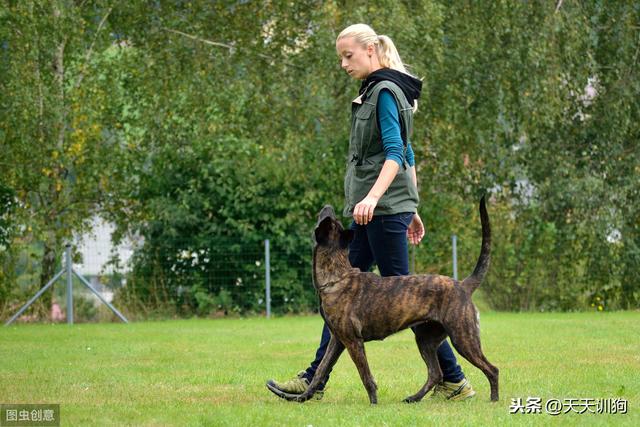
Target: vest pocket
[362,180]
[401,194]
[402,189]
[365,111]
[362,129]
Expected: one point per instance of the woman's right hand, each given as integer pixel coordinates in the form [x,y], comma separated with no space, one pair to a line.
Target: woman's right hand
[363,211]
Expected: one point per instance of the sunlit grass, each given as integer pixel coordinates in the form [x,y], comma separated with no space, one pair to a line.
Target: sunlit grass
[212,372]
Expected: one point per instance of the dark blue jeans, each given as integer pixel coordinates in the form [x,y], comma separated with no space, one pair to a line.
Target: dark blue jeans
[383,241]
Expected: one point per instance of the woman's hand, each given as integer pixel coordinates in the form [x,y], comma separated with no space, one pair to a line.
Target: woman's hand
[363,212]
[415,232]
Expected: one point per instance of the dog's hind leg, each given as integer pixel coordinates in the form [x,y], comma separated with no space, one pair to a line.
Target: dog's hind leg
[356,351]
[334,350]
[467,343]
[428,336]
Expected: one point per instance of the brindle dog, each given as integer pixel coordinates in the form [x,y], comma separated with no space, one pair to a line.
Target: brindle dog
[360,307]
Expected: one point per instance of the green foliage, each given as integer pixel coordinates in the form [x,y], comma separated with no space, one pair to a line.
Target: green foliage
[7,207]
[7,202]
[206,127]
[53,146]
[524,106]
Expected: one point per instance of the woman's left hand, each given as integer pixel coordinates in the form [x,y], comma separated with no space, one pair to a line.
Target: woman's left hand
[415,232]
[363,212]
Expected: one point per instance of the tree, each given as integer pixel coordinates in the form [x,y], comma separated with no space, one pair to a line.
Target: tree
[53,142]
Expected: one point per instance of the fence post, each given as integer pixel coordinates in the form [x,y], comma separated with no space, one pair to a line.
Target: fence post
[267,267]
[69,285]
[455,257]
[413,259]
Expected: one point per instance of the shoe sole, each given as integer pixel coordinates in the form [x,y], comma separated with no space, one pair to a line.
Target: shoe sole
[284,395]
[460,393]
[460,398]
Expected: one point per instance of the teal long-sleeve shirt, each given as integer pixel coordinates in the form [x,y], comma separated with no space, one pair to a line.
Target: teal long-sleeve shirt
[388,118]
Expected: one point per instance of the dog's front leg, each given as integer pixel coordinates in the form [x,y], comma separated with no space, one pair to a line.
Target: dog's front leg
[334,350]
[356,351]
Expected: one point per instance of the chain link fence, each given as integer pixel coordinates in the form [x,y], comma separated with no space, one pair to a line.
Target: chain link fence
[177,278]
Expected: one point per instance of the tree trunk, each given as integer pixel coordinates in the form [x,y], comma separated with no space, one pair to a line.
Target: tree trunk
[46,274]
[51,243]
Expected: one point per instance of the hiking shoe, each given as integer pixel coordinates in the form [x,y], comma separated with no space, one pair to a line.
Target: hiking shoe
[293,388]
[453,391]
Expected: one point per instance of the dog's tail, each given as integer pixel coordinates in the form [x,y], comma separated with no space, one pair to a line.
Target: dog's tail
[472,282]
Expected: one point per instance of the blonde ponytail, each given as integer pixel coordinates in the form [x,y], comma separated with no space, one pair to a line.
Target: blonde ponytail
[388,54]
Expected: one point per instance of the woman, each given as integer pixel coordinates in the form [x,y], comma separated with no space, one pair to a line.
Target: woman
[380,183]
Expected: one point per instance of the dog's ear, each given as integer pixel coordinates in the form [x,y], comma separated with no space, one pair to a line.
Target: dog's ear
[323,228]
[346,236]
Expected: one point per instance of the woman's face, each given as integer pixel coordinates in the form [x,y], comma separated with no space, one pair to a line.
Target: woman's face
[355,59]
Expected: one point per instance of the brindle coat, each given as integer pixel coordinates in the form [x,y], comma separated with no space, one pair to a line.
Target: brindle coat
[360,307]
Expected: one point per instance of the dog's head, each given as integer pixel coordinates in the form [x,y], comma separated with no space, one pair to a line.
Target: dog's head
[329,232]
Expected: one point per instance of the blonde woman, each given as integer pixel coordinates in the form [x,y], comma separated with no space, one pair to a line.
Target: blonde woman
[380,184]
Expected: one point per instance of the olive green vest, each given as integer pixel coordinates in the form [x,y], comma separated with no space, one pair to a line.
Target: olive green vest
[366,155]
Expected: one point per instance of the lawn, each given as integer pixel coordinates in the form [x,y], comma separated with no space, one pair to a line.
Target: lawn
[212,372]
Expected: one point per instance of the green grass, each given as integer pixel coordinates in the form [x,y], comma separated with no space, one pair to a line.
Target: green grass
[212,372]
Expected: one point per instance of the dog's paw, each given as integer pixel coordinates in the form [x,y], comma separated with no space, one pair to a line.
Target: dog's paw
[412,399]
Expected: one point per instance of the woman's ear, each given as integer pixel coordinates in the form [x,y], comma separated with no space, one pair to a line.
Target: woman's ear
[371,48]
